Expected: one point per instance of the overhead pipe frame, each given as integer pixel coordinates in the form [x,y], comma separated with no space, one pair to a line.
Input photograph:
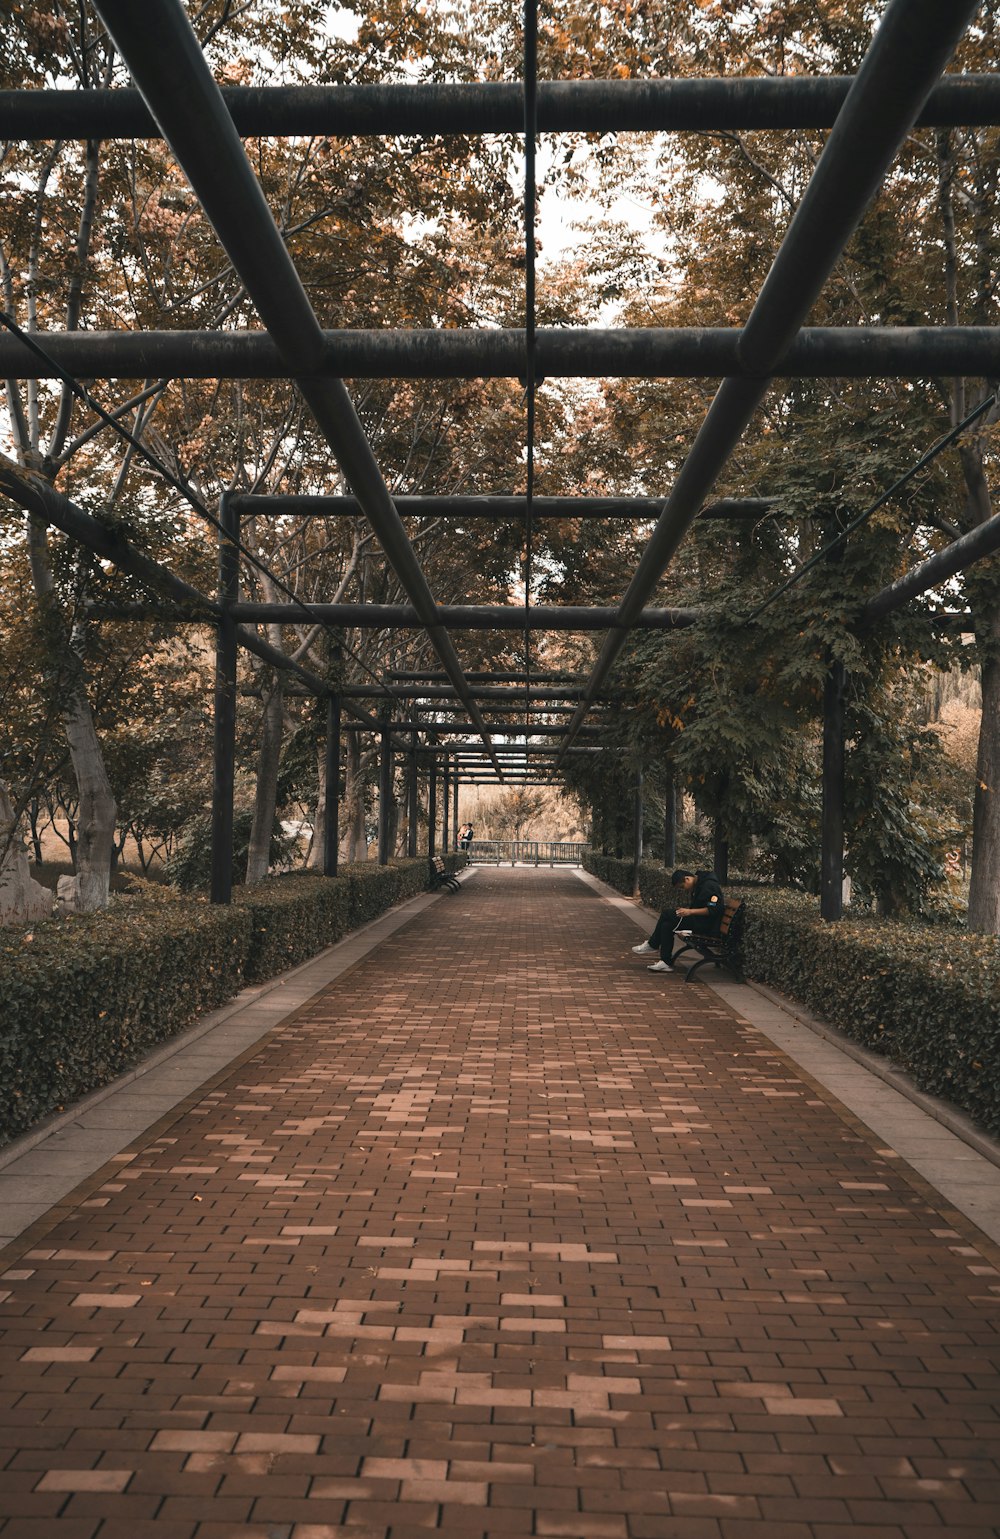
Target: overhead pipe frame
[981,541]
[172,74]
[445,696]
[403,676]
[501,507]
[468,617]
[872,610]
[449,728]
[494,107]
[913,44]
[690,352]
[37,496]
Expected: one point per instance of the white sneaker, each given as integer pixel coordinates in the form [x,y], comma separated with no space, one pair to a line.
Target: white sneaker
[645,950]
[660,967]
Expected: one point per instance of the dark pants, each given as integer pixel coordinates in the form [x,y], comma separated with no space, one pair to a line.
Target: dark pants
[669,921]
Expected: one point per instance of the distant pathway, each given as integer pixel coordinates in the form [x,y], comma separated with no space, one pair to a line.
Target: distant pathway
[502,1235]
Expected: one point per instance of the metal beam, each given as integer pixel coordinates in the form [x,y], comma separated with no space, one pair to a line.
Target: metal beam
[531,752]
[449,728]
[468,617]
[37,496]
[954,558]
[691,352]
[563,106]
[913,44]
[515,708]
[483,693]
[748,508]
[166,62]
[406,676]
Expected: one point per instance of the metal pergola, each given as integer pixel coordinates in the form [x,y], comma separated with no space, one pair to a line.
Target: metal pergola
[899,85]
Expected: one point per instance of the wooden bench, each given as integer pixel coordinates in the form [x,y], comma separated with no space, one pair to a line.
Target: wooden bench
[722,950]
[439,876]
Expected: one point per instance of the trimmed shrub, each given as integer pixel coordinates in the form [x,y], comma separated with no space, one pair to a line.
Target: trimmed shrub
[925,996]
[82,999]
[291,919]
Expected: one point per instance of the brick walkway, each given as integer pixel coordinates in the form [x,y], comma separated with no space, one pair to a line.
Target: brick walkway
[500,1235]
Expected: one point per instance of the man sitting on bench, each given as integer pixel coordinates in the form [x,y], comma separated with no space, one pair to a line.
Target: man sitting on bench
[704,907]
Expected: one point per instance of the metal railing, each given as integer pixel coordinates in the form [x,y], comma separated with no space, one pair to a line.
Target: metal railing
[527,852]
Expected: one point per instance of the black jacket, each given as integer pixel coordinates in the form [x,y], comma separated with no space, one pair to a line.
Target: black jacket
[707,893]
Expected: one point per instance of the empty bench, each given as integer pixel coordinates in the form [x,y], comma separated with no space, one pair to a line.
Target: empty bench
[722,950]
[439,876]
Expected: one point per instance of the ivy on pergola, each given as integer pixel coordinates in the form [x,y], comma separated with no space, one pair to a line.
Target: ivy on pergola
[897,87]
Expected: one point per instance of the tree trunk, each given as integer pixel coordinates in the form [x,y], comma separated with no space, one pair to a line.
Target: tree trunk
[96,813]
[318,845]
[266,792]
[95,823]
[22,899]
[357,848]
[36,838]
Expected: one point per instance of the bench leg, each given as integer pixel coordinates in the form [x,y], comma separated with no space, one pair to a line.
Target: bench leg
[701,962]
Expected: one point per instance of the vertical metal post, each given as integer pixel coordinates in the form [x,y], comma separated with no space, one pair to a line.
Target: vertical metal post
[670,819]
[636,833]
[331,848]
[454,806]
[412,802]
[432,803]
[720,858]
[385,796]
[445,783]
[831,904]
[224,746]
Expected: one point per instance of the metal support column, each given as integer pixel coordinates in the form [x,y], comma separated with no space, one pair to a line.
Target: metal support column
[385,797]
[454,804]
[224,747]
[637,833]
[720,855]
[832,847]
[445,807]
[412,802]
[331,848]
[432,806]
[669,819]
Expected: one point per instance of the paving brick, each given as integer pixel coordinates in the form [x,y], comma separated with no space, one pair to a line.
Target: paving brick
[498,1235]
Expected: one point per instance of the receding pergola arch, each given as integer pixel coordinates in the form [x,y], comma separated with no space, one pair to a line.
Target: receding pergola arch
[897,87]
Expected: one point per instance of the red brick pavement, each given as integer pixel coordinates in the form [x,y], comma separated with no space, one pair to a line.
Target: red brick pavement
[503,1236]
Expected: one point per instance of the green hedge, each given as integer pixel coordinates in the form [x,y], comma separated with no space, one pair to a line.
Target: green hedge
[926,996]
[82,999]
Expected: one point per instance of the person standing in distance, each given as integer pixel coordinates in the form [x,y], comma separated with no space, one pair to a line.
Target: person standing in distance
[704,904]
